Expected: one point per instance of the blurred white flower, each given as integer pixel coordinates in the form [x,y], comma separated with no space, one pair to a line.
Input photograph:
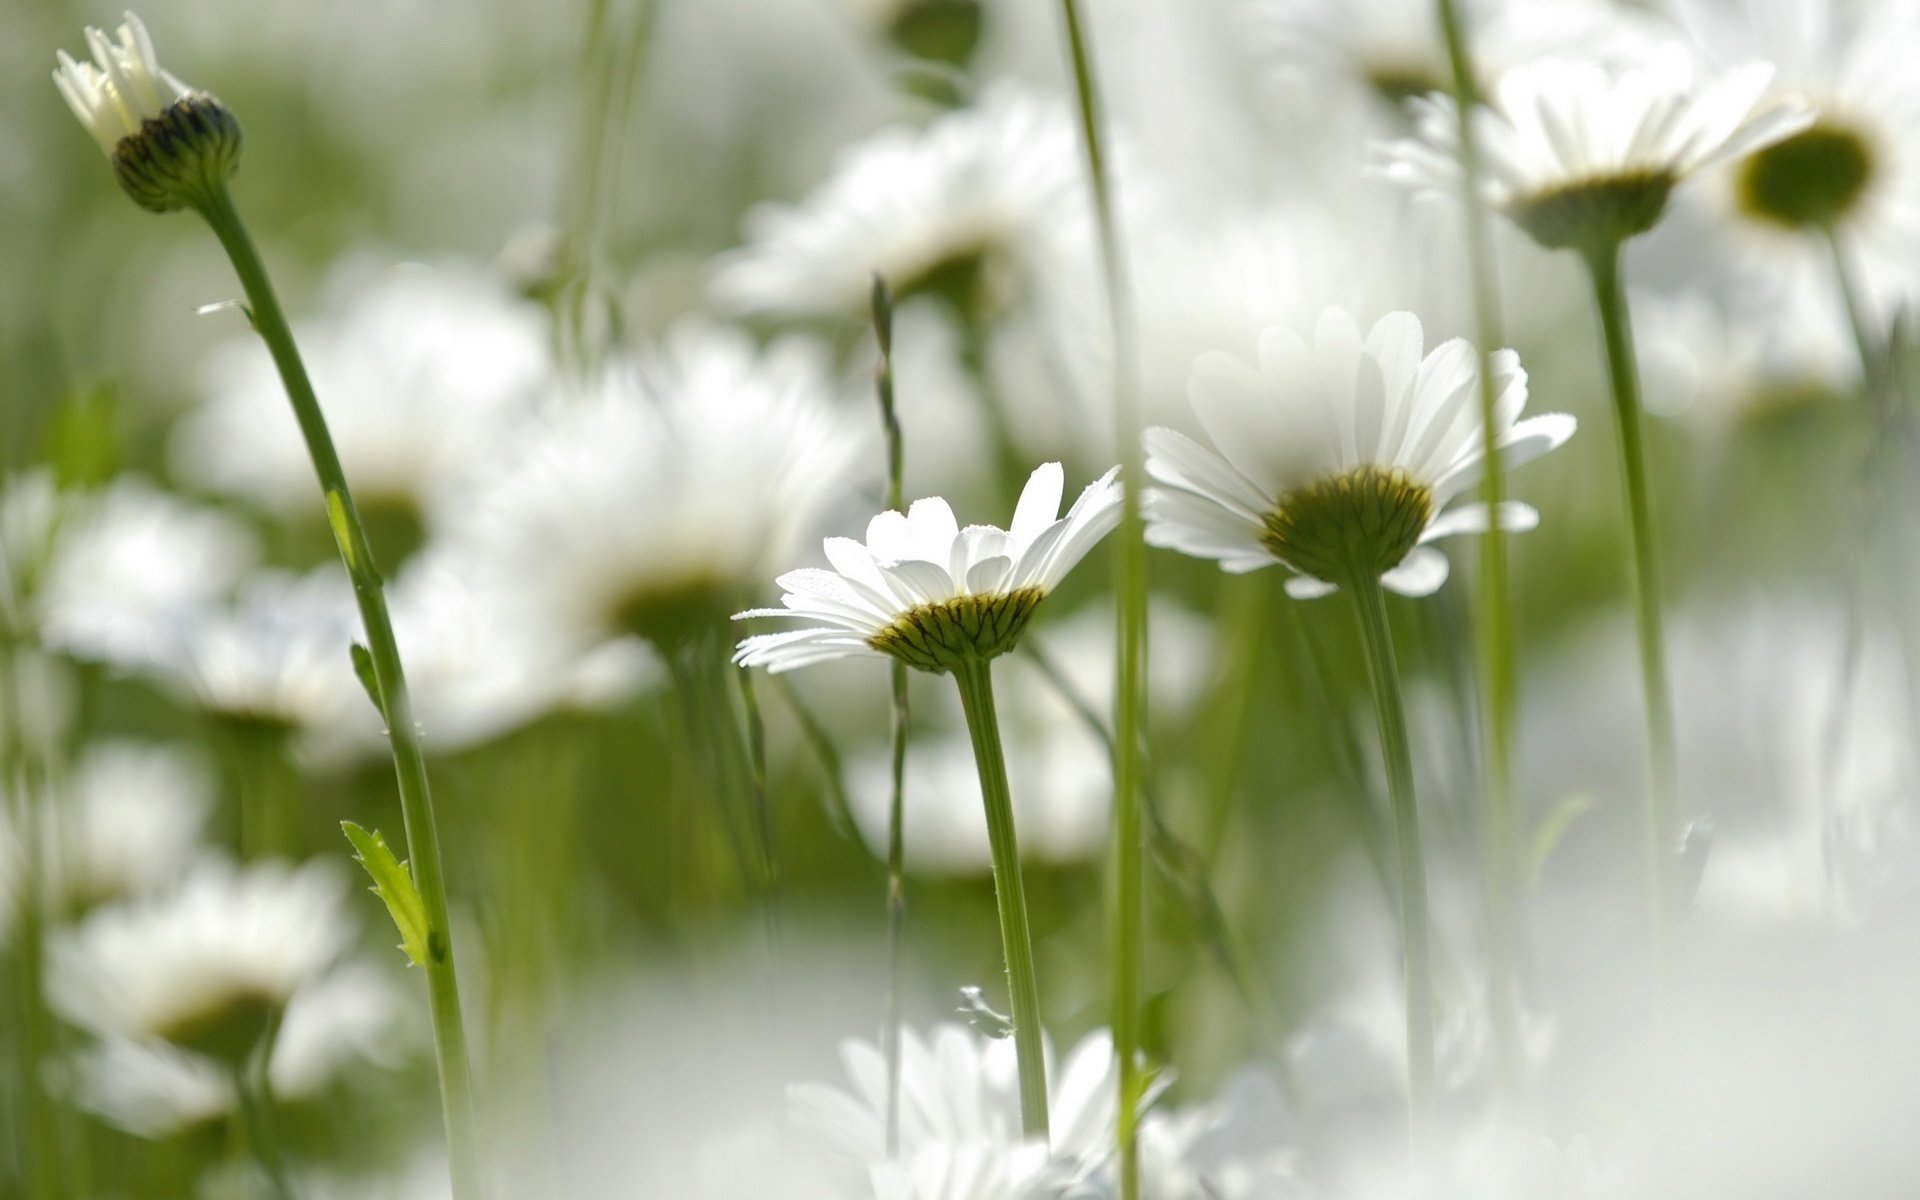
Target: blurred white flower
[425,373]
[1340,457]
[276,653]
[154,1089]
[1061,769]
[650,504]
[121,89]
[930,593]
[126,823]
[1580,154]
[1855,170]
[964,208]
[130,558]
[205,964]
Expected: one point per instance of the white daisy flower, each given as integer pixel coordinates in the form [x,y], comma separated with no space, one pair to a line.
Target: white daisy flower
[351,1017]
[127,560]
[426,373]
[205,965]
[930,593]
[1584,155]
[1340,458]
[276,653]
[122,88]
[1856,169]
[962,209]
[651,504]
[127,823]
[171,146]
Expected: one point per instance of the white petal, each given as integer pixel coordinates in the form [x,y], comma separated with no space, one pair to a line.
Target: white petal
[989,575]
[1177,460]
[1420,573]
[1515,517]
[1306,587]
[933,527]
[1039,503]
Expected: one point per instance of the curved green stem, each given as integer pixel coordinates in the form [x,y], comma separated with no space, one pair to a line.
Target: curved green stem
[1662,821]
[1130,574]
[1493,601]
[254,1102]
[1370,608]
[409,757]
[975,679]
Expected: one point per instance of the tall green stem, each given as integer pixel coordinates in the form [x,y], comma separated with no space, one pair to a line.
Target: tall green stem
[975,679]
[1130,572]
[897,680]
[1493,615]
[383,652]
[1370,607]
[1662,832]
[254,1104]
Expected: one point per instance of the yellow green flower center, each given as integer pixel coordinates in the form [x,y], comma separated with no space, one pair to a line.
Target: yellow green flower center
[1352,526]
[1398,80]
[1811,180]
[940,31]
[227,1028]
[1594,213]
[673,615]
[941,637]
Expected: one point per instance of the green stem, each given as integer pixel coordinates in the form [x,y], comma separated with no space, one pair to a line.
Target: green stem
[1370,607]
[1493,614]
[254,1102]
[1662,832]
[1130,573]
[896,806]
[409,758]
[975,679]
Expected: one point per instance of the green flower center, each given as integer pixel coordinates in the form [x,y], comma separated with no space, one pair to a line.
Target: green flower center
[674,615]
[1595,212]
[942,637]
[182,157]
[227,1029]
[1353,526]
[939,31]
[1811,180]
[1399,80]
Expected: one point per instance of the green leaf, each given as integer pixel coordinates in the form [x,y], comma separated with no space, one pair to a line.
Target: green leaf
[393,884]
[363,667]
[1547,835]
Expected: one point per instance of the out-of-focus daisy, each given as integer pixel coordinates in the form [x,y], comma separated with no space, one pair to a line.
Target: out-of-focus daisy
[931,594]
[1061,769]
[650,505]
[1583,155]
[128,559]
[352,1016]
[207,964]
[126,823]
[1391,49]
[961,209]
[1340,458]
[1856,169]
[277,654]
[425,374]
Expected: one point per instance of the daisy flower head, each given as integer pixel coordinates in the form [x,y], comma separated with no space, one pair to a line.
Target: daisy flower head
[1339,458]
[171,145]
[933,595]
[1584,155]
[649,505]
[206,965]
[963,209]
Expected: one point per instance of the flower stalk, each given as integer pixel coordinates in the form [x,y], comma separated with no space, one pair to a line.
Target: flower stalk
[1493,616]
[882,307]
[974,676]
[1662,828]
[1376,638]
[390,685]
[1130,571]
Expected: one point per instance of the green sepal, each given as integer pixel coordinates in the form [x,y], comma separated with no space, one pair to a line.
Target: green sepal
[393,884]
[363,668]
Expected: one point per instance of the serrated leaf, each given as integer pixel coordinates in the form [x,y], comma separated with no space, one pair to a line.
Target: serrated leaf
[363,667]
[394,885]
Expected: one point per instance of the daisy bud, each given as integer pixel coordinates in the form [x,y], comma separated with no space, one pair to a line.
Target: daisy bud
[172,146]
